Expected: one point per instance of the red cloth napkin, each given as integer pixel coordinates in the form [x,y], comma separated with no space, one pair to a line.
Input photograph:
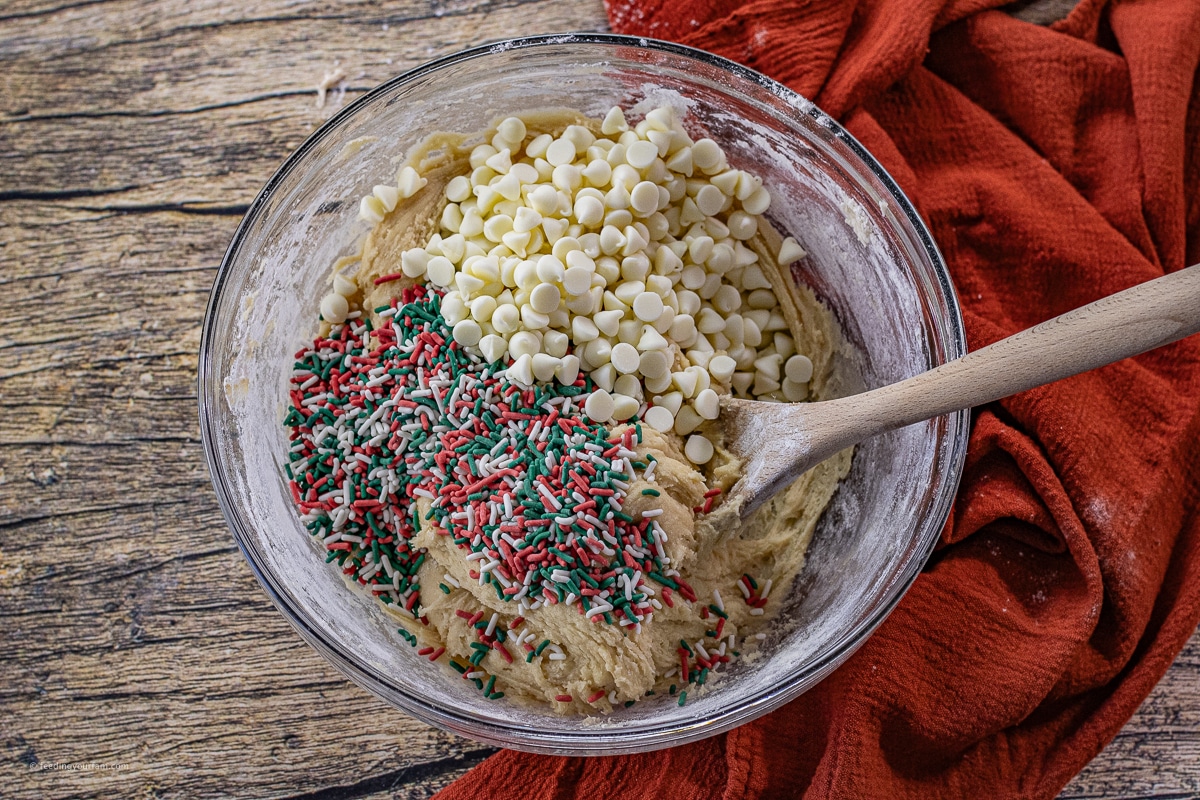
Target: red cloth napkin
[1054,166]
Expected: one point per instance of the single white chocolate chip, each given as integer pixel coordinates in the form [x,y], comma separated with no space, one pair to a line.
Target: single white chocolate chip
[599,406]
[722,367]
[544,298]
[698,449]
[707,404]
[467,332]
[790,251]
[660,418]
[624,407]
[521,370]
[625,358]
[687,420]
[409,182]
[799,369]
[370,209]
[334,308]
[493,347]
[648,306]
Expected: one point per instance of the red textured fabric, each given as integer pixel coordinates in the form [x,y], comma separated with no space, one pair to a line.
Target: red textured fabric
[1054,166]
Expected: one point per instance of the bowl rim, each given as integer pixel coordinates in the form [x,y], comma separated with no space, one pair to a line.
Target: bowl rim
[599,741]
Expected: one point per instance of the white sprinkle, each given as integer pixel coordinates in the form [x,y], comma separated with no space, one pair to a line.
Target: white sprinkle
[597,610]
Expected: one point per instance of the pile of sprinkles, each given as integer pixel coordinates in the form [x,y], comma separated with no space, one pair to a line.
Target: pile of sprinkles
[398,424]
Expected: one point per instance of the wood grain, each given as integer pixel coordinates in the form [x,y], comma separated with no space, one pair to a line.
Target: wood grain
[133,135]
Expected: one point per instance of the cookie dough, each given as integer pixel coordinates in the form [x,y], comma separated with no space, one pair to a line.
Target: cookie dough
[734,579]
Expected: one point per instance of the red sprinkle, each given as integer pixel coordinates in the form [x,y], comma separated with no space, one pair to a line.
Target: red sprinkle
[596,696]
[503,651]
[563,698]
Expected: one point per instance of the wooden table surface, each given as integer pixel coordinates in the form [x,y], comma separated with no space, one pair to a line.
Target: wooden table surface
[133,136]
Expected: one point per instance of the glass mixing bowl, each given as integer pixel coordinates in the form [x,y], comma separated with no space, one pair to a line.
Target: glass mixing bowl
[870,259]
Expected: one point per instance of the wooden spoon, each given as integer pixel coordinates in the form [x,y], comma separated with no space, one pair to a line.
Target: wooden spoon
[780,441]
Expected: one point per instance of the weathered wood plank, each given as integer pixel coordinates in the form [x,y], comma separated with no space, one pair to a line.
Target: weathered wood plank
[132,137]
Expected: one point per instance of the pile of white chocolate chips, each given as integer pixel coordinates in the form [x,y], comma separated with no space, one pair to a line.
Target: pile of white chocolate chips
[622,255]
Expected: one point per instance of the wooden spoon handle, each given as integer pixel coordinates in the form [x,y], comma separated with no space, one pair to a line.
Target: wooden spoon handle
[1125,324]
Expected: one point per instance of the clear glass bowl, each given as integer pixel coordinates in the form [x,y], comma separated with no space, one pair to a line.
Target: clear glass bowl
[870,259]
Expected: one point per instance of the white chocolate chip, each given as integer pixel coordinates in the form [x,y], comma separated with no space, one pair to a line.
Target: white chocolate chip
[698,449]
[794,392]
[706,154]
[624,407]
[560,151]
[512,129]
[523,343]
[799,369]
[758,202]
[458,189]
[467,332]
[687,420]
[722,368]
[544,366]
[659,418]
[544,298]
[568,369]
[493,347]
[409,182]
[625,358]
[648,306]
[599,406]
[614,122]
[440,271]
[641,154]
[604,376]
[707,404]
[344,286]
[790,251]
[370,209]
[334,308]
[521,370]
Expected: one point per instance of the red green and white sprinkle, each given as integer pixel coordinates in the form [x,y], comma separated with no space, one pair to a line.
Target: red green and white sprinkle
[529,489]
